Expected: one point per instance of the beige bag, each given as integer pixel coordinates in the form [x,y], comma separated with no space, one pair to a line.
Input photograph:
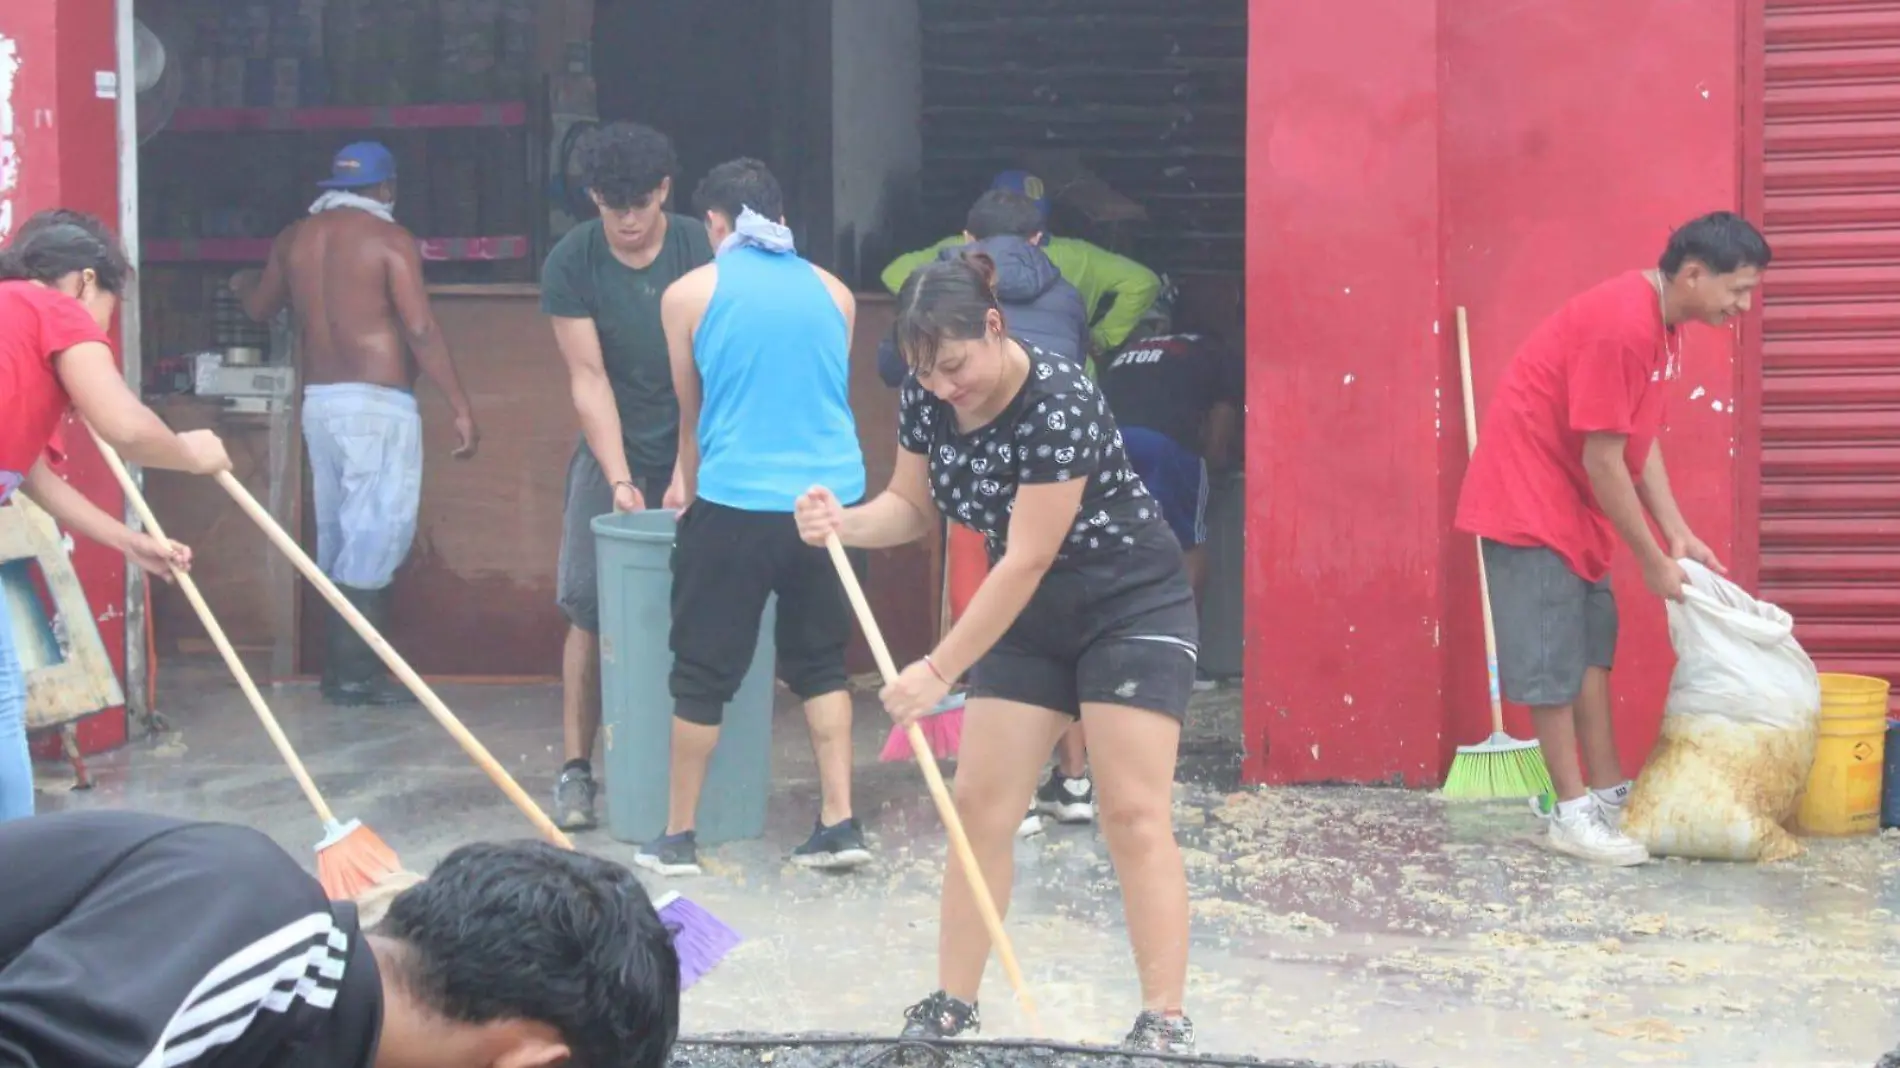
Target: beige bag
[1738,731]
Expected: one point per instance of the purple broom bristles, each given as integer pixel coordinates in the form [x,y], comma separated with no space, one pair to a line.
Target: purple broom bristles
[698,937]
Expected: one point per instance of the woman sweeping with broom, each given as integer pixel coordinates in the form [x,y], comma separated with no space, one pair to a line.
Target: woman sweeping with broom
[1086,614]
[60,281]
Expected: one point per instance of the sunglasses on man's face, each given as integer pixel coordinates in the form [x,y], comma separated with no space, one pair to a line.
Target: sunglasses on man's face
[639,203]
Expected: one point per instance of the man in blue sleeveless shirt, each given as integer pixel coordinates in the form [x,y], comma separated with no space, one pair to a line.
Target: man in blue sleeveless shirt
[760,343]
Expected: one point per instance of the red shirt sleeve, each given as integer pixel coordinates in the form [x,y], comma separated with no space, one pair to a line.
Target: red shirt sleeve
[65,322]
[1606,380]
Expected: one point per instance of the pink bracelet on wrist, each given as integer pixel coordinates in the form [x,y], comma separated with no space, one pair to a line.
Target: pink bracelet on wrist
[934,670]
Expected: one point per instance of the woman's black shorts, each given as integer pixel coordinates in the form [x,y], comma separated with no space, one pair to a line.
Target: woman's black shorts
[1117,627]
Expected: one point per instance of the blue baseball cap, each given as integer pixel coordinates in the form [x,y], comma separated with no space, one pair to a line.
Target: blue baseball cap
[364,163]
[1028,185]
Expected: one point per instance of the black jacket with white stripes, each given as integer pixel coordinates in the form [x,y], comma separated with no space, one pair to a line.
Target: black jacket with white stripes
[137,941]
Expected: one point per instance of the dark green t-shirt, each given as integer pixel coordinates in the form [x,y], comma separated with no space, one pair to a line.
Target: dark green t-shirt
[583,280]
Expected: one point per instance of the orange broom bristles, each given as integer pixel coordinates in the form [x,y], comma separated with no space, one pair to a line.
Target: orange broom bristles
[373,904]
[352,859]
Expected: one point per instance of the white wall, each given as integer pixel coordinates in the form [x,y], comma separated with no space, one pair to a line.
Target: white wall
[877,142]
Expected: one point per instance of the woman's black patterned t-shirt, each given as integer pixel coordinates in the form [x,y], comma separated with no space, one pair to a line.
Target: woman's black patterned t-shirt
[1057,429]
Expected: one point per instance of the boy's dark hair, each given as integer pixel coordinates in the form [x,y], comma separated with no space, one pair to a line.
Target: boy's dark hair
[623,162]
[57,242]
[529,931]
[947,300]
[736,185]
[1001,212]
[1721,240]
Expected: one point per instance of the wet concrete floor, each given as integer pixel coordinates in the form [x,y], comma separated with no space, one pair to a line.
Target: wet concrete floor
[1336,924]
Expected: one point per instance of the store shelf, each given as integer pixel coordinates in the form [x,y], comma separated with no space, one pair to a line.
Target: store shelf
[257,249]
[412,117]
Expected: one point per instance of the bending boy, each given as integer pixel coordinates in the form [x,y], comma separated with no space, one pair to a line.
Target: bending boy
[1566,465]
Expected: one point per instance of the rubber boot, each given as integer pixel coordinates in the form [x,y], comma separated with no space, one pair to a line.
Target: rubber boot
[361,677]
[336,636]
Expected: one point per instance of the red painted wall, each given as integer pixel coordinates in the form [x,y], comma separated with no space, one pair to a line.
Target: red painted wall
[67,144]
[1467,153]
[1345,530]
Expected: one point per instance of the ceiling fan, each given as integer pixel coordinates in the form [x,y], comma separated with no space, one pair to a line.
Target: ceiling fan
[155,78]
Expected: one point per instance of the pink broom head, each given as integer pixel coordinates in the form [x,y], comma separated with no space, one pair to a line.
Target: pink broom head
[699,938]
[942,727]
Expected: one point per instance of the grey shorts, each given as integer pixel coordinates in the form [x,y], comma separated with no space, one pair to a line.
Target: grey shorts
[1551,624]
[576,578]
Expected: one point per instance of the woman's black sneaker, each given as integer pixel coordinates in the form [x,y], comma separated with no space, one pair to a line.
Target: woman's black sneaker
[839,847]
[1156,1033]
[673,854]
[940,1016]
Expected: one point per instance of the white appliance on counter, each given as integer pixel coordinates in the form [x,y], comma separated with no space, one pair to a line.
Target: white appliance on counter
[245,386]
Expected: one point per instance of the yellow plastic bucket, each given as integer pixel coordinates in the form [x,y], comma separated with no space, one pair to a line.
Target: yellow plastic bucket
[1843,792]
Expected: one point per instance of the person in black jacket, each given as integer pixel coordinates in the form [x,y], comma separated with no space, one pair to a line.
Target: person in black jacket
[1043,308]
[133,939]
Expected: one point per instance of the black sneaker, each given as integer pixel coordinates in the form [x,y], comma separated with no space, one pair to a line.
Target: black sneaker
[1155,1033]
[839,847]
[574,795]
[1068,800]
[673,854]
[940,1016]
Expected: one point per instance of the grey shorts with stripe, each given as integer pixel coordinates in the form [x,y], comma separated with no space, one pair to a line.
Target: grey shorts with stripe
[1551,624]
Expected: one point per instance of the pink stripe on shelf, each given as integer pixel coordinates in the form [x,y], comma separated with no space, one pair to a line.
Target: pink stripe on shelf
[417,116]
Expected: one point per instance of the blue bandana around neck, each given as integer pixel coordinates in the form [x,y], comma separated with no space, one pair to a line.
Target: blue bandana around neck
[757,231]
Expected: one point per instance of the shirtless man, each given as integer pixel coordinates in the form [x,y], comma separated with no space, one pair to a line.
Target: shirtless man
[353,280]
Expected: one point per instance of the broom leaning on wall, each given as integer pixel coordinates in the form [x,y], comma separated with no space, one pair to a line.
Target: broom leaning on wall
[1499,766]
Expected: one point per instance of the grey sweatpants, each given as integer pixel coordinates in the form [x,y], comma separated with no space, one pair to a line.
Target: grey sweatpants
[365,446]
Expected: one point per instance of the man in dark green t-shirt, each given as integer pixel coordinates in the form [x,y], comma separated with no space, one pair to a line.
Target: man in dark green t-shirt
[601,286]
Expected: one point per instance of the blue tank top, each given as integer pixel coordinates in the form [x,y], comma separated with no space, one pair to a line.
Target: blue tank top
[774,363]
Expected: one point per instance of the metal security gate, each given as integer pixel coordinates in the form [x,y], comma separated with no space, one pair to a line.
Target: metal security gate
[1152,92]
[1829,388]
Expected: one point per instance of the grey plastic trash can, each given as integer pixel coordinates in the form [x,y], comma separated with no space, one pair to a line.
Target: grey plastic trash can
[634,552]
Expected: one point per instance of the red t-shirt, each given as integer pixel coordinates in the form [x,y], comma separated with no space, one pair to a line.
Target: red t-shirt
[1598,365]
[36,324]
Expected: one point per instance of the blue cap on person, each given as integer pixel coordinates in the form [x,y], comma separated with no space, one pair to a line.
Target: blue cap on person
[1028,185]
[357,166]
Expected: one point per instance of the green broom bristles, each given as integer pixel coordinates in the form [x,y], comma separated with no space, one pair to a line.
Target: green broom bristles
[1499,766]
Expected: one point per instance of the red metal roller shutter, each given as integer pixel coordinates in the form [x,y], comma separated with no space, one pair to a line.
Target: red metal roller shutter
[1830,390]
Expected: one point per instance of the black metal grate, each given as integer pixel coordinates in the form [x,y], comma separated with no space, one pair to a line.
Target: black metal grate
[1151,93]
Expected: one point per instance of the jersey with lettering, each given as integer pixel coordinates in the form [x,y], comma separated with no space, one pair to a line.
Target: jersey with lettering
[1167,383]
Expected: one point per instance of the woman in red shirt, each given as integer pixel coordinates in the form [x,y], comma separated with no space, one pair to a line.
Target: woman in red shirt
[60,281]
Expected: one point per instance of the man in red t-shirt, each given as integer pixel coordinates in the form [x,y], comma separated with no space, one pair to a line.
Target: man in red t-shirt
[1567,463]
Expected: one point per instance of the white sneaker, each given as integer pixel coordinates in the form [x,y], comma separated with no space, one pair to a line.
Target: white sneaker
[1031,825]
[1588,836]
[1612,813]
[1544,806]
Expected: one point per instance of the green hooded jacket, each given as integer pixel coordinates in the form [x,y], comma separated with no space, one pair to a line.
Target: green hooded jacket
[1093,270]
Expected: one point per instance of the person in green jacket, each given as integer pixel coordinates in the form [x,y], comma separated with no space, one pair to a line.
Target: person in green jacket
[1098,273]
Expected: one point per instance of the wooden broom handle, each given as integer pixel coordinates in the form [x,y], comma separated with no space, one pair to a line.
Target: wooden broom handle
[473,747]
[1484,581]
[185,583]
[946,808]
